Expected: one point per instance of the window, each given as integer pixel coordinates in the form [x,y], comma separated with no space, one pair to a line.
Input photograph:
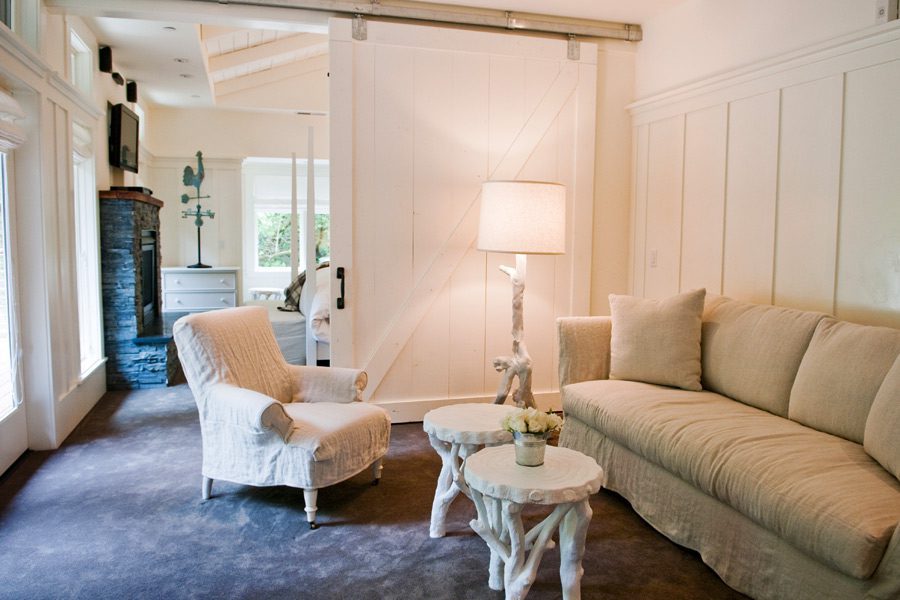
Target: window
[6,13]
[8,400]
[80,64]
[22,16]
[273,238]
[267,220]
[87,270]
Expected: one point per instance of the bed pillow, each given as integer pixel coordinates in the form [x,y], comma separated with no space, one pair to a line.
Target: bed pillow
[657,341]
[293,294]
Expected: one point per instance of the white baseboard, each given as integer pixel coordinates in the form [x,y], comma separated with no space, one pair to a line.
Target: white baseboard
[413,411]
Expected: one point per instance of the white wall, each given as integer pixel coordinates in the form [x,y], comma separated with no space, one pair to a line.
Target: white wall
[699,38]
[220,237]
[776,183]
[223,133]
[611,257]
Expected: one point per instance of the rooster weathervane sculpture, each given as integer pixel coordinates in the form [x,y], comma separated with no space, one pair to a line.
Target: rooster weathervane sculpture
[194,179]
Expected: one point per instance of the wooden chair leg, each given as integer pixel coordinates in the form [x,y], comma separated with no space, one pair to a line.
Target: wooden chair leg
[309,498]
[377,468]
[206,488]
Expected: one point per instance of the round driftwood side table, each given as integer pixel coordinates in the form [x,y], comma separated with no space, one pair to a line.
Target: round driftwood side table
[456,432]
[501,488]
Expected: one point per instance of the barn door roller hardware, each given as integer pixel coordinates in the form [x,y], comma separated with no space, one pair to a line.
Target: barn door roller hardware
[454,15]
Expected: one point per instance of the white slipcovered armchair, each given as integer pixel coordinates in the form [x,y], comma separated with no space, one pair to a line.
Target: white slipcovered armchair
[265,422]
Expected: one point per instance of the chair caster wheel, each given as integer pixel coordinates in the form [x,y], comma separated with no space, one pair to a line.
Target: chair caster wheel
[313,525]
[375,481]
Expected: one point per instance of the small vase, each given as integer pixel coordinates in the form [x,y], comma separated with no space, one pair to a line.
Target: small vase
[530,448]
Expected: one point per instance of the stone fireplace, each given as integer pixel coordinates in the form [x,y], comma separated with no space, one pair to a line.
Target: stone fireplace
[139,351]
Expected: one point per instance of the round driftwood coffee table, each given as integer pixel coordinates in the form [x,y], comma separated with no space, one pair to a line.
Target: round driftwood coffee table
[501,488]
[455,432]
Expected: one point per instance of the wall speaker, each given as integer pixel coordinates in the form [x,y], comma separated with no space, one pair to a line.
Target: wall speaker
[105,59]
[117,77]
[131,91]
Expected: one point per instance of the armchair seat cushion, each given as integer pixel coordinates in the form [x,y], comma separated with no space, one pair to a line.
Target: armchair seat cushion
[332,430]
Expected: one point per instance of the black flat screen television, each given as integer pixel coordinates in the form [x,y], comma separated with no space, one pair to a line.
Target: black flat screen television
[123,138]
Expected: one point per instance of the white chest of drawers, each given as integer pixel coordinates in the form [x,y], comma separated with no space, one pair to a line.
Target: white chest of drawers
[197,290]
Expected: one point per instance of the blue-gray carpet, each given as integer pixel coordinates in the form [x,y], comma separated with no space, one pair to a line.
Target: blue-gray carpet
[116,513]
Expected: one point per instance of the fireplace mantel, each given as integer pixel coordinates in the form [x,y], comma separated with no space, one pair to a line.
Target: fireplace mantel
[130,195]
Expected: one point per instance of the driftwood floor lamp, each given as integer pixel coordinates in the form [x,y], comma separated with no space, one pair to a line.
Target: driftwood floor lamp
[520,217]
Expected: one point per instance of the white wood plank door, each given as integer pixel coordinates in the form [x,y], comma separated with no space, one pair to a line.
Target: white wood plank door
[420,117]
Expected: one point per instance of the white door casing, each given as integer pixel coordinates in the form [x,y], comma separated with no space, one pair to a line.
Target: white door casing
[420,117]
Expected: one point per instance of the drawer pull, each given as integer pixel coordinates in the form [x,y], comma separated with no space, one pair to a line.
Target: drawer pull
[177,300]
[177,282]
[223,300]
[222,281]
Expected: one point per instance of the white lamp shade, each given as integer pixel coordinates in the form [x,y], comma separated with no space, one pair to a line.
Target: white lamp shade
[522,217]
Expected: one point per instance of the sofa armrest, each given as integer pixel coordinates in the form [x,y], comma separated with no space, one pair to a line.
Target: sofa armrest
[584,344]
[246,409]
[327,384]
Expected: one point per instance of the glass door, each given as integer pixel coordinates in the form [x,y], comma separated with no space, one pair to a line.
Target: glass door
[13,434]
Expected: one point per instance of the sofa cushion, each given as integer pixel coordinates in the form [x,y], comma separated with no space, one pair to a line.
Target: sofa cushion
[883,425]
[840,375]
[751,352]
[657,341]
[821,493]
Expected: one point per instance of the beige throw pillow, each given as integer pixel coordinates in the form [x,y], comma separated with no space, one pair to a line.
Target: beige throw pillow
[657,341]
[883,425]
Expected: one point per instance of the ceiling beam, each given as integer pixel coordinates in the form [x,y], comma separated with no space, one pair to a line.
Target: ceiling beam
[302,45]
[274,75]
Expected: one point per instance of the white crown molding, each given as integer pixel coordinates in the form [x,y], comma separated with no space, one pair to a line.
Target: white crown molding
[74,95]
[809,57]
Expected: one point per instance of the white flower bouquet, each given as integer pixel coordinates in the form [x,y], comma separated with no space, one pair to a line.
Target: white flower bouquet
[531,420]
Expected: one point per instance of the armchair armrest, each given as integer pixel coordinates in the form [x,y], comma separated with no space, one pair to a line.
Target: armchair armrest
[246,409]
[584,348]
[327,384]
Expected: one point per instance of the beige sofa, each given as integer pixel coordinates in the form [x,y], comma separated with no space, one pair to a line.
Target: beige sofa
[782,472]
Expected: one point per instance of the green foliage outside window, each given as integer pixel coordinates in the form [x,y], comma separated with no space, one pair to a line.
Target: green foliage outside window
[323,238]
[273,231]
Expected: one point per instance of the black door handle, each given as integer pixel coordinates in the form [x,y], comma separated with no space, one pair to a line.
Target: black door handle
[340,275]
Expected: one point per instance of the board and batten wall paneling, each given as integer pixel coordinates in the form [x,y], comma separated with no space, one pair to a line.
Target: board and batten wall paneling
[703,220]
[808,191]
[868,281]
[806,151]
[664,192]
[750,198]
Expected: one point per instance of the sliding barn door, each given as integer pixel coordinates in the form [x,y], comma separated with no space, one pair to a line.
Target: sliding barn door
[420,117]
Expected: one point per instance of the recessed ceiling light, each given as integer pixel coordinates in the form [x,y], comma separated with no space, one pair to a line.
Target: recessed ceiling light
[181,60]
[169,28]
[195,95]
[186,75]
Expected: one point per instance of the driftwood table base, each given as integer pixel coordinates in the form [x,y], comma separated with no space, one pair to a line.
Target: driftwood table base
[500,489]
[456,432]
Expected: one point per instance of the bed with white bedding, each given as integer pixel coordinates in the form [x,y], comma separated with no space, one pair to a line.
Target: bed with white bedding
[290,326]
